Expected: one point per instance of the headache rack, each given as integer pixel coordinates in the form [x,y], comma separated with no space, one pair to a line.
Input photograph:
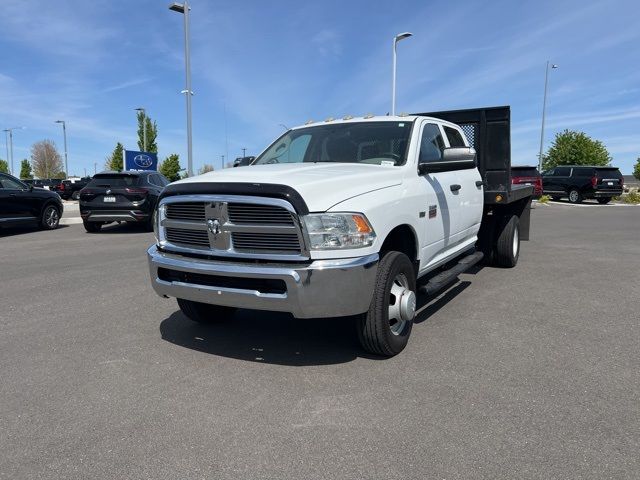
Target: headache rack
[489,132]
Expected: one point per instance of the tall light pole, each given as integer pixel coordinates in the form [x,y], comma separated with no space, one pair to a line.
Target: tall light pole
[184,9]
[64,134]
[396,39]
[6,143]
[244,152]
[144,127]
[544,111]
[10,144]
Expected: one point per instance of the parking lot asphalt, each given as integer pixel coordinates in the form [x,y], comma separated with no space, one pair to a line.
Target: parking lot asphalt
[530,372]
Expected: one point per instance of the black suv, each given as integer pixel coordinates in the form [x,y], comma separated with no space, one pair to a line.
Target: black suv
[23,204]
[120,197]
[580,182]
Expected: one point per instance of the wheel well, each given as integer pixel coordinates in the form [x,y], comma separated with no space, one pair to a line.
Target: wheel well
[50,202]
[402,239]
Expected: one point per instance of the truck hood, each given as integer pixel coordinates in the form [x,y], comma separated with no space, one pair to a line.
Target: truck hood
[321,185]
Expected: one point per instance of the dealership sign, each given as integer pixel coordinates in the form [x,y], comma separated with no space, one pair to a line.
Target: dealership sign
[140,161]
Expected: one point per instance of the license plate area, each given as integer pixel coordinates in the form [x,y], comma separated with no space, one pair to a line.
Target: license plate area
[109,199]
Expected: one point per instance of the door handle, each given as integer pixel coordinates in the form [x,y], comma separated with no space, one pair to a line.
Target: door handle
[12,194]
[479,183]
[455,187]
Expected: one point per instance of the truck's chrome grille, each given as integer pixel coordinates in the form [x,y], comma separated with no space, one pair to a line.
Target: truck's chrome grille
[246,213]
[244,227]
[261,242]
[183,236]
[192,211]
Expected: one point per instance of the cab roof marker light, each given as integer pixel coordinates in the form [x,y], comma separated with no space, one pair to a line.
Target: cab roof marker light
[347,117]
[308,122]
[403,114]
[369,115]
[330,119]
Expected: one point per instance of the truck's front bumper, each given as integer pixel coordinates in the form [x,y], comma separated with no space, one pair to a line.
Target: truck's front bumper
[323,288]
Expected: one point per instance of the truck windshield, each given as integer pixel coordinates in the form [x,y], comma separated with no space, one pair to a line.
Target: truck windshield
[377,143]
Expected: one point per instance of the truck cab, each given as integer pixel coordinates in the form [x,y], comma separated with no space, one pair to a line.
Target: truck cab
[342,218]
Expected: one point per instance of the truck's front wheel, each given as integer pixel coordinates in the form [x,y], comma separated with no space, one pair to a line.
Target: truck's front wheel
[385,328]
[204,312]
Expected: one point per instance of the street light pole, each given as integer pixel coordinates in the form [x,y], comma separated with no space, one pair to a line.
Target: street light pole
[10,145]
[244,152]
[184,9]
[396,39]
[64,134]
[144,127]
[6,143]
[544,111]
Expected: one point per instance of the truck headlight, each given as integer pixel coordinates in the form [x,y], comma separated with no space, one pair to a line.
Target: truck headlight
[331,231]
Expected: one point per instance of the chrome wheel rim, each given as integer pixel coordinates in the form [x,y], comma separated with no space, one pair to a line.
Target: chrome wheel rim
[402,304]
[573,196]
[51,217]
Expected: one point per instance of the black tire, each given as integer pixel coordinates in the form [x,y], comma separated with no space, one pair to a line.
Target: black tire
[575,196]
[604,200]
[50,217]
[75,195]
[375,331]
[507,249]
[204,312]
[92,227]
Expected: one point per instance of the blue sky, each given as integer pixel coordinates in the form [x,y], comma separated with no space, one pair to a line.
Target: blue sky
[285,62]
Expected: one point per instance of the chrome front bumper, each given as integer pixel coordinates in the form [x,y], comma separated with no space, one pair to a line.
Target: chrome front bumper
[323,288]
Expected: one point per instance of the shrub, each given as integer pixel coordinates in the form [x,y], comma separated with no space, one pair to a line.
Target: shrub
[633,197]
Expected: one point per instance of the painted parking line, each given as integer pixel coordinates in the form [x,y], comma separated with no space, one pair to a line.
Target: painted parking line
[589,205]
[70,220]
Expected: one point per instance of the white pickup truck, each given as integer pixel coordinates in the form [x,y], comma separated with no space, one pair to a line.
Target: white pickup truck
[349,217]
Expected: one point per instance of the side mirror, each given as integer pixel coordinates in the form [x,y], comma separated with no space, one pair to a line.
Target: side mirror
[454,158]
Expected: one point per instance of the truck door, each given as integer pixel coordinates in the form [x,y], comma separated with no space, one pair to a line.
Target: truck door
[467,190]
[439,202]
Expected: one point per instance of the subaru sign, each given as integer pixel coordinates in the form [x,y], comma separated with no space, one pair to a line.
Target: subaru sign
[140,161]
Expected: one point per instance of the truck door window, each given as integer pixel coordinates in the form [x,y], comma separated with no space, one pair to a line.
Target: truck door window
[455,139]
[431,144]
[562,172]
[9,183]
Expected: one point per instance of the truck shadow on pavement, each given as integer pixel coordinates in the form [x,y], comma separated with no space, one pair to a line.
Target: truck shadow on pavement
[10,231]
[281,339]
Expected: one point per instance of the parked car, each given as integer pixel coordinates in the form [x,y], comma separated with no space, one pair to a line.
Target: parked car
[577,182]
[243,161]
[24,204]
[341,218]
[46,183]
[120,197]
[527,175]
[70,188]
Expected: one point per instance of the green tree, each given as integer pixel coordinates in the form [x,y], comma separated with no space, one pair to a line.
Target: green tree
[4,166]
[152,133]
[636,169]
[25,169]
[115,161]
[170,168]
[575,148]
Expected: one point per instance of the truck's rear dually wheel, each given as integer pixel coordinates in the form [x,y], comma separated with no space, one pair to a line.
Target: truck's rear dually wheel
[507,248]
[385,328]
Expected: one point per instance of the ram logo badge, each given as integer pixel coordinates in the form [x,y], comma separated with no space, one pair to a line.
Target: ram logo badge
[433,211]
[214,226]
